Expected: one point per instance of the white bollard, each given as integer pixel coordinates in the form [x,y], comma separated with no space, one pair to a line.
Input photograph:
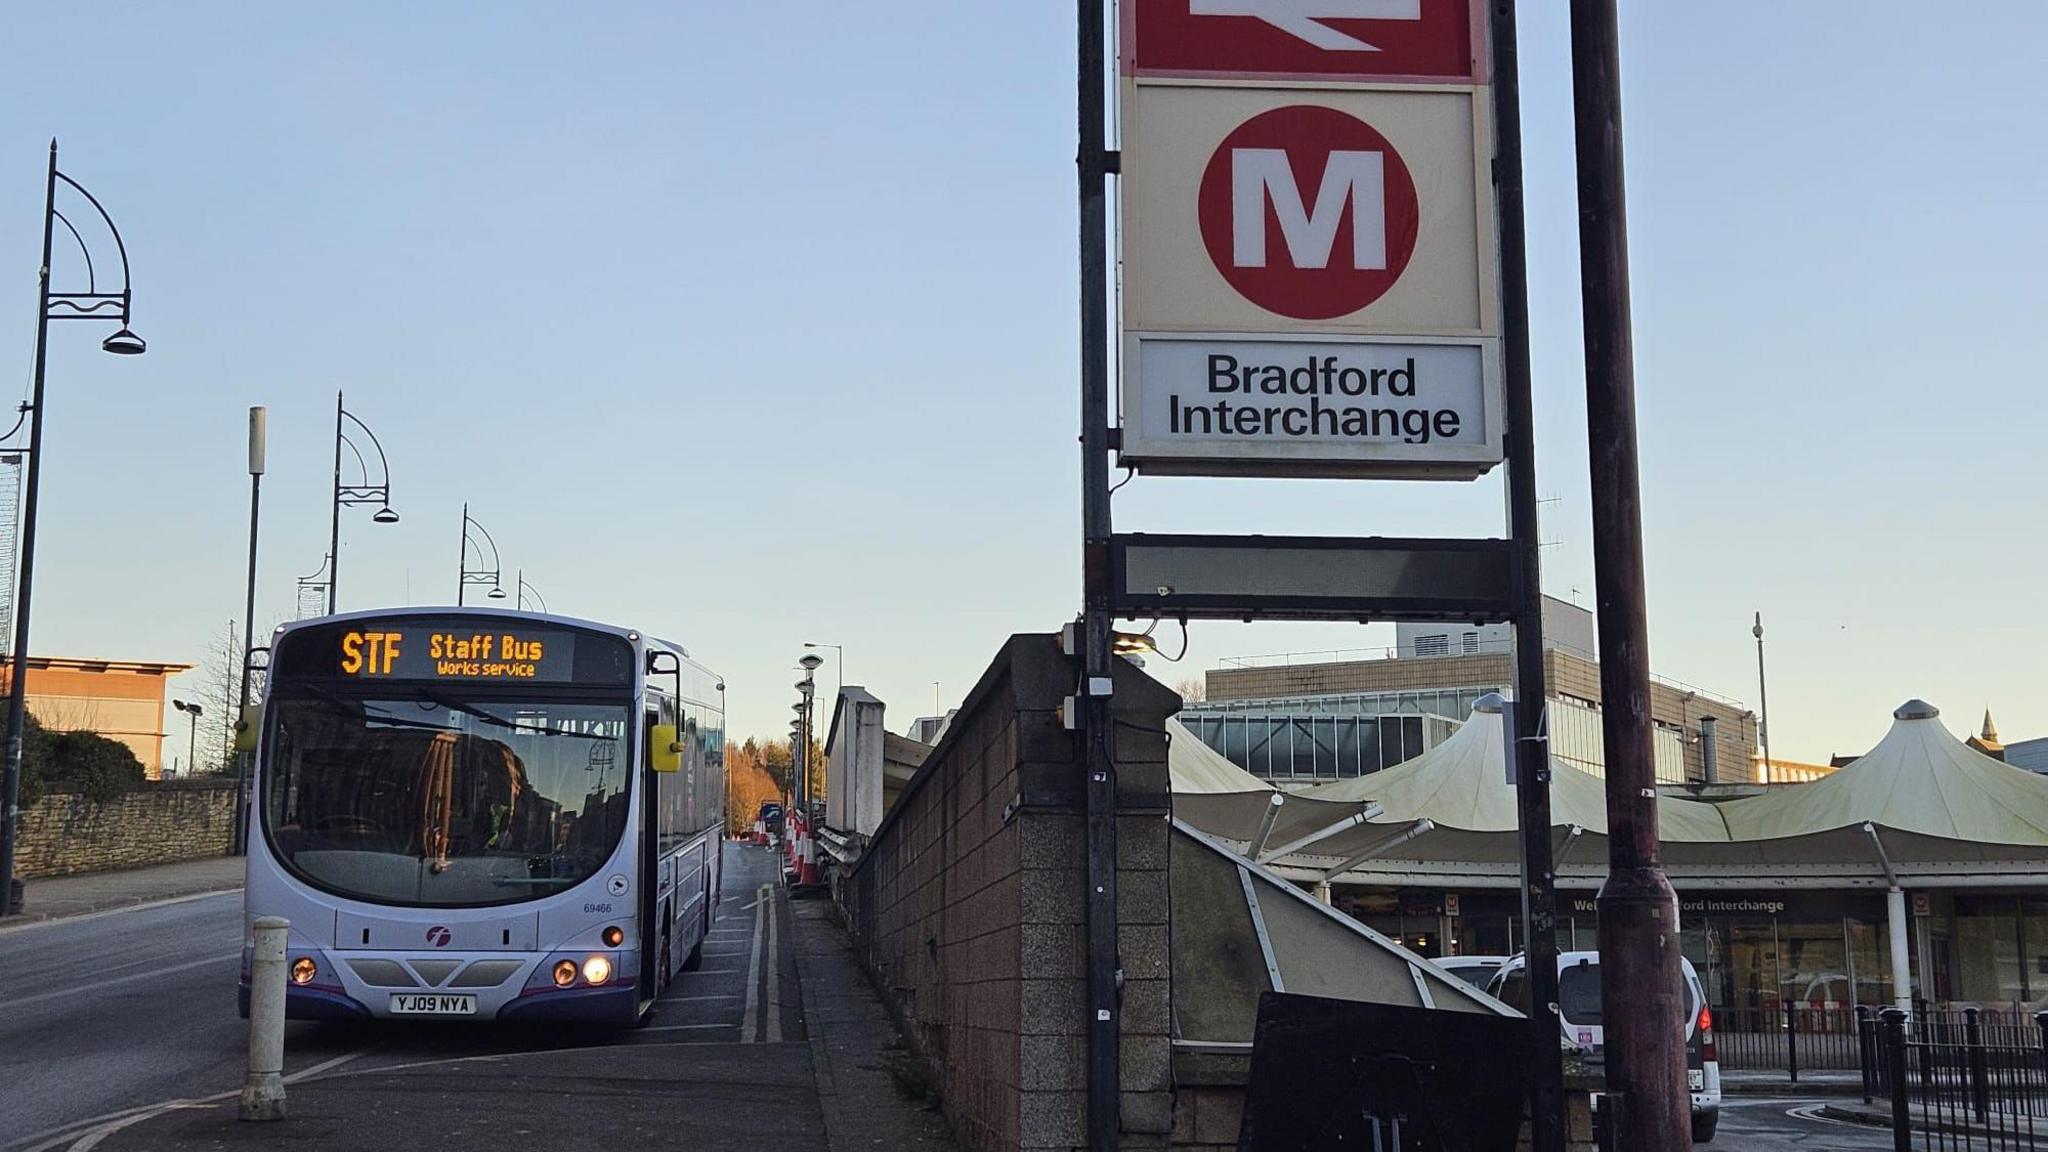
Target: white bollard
[263,1090]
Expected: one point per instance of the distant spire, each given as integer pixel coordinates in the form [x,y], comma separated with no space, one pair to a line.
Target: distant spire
[1987,743]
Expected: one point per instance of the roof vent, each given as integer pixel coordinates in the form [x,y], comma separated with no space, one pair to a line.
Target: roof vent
[1491,704]
[1916,710]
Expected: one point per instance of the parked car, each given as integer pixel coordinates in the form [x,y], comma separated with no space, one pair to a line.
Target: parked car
[1578,1002]
[1478,971]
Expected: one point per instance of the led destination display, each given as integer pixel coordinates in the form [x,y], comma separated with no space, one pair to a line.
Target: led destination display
[455,649]
[439,654]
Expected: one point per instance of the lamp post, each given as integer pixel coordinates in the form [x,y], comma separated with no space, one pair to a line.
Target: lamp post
[1763,700]
[808,687]
[259,425]
[526,590]
[363,493]
[313,591]
[193,711]
[91,304]
[838,664]
[494,575]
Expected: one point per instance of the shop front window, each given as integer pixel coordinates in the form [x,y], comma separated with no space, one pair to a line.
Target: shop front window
[1989,966]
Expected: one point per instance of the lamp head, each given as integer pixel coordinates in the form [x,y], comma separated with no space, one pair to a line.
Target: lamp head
[385,515]
[810,663]
[497,592]
[124,343]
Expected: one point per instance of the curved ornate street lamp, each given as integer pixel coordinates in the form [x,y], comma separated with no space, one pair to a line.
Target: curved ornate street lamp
[91,304]
[376,492]
[527,591]
[493,576]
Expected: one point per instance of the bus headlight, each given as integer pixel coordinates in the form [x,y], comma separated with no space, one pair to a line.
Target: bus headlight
[303,970]
[613,936]
[597,970]
[565,973]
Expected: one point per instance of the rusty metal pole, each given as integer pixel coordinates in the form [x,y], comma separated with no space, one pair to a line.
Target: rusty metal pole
[1647,1097]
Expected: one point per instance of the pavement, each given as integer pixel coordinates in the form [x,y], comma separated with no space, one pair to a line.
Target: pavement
[776,1042]
[62,897]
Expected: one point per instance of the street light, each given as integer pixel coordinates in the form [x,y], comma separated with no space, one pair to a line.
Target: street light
[192,743]
[493,576]
[526,590]
[91,304]
[838,664]
[366,492]
[259,424]
[1763,700]
[313,591]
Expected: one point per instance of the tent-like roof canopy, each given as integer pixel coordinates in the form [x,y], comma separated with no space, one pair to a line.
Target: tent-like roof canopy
[1918,779]
[1198,769]
[1462,784]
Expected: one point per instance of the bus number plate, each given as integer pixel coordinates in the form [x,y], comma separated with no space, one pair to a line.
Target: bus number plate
[1696,1079]
[431,1004]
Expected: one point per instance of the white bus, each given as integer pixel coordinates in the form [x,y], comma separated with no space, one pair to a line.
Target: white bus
[480,814]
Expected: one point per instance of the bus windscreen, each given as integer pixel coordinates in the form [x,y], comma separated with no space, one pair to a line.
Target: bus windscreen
[444,799]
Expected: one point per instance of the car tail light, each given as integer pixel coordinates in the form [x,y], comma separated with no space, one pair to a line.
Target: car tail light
[1707,1049]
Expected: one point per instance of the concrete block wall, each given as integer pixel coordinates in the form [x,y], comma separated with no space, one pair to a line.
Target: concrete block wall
[160,822]
[968,908]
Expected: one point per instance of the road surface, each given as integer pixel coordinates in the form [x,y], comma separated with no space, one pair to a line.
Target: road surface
[122,1011]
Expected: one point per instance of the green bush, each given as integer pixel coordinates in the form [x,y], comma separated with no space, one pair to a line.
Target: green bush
[83,762]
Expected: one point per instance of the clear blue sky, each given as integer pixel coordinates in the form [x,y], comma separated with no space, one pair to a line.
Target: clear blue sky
[753,325]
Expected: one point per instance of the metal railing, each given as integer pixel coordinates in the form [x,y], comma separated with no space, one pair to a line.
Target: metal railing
[1959,1080]
[1789,1037]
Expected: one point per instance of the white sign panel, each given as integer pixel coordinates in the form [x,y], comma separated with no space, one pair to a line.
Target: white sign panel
[1205,405]
[1310,266]
[1282,210]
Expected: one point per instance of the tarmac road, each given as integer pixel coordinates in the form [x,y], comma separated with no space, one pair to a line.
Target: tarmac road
[127,1010]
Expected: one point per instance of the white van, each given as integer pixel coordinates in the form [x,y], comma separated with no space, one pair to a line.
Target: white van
[1578,1002]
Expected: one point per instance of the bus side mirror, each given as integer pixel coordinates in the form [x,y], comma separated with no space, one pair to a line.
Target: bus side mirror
[664,750]
[246,727]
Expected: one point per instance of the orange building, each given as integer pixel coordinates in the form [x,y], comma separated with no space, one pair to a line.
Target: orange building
[119,699]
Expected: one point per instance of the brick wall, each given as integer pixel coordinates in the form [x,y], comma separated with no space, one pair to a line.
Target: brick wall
[159,822]
[968,908]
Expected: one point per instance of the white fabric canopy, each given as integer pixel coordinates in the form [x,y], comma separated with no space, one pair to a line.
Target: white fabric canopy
[1918,779]
[1198,769]
[1462,784]
[1224,800]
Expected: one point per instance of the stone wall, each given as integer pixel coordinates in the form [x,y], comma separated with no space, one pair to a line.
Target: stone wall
[159,822]
[969,909]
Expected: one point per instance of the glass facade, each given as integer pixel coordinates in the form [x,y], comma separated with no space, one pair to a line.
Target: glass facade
[1316,739]
[2000,948]
[1821,950]
[1309,748]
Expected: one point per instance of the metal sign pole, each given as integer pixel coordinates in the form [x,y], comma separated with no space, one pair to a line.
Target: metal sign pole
[1099,777]
[1531,757]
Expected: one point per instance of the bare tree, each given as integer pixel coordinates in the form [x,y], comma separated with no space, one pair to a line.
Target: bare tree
[220,690]
[1193,690]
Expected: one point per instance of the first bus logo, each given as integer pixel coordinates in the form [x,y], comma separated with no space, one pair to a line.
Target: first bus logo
[439,936]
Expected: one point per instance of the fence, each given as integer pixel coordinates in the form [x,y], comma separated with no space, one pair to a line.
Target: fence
[1788,1037]
[1959,1081]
